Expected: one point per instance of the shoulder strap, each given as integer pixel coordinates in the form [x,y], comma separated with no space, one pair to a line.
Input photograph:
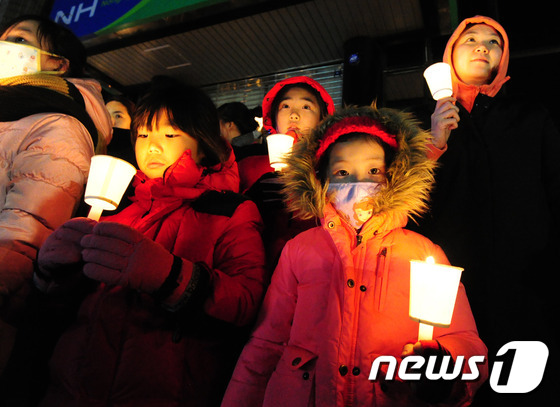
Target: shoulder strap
[17,102]
[222,203]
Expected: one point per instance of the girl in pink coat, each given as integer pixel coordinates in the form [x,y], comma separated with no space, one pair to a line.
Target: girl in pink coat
[339,296]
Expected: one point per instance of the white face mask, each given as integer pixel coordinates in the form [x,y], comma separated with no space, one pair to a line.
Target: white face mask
[351,200]
[21,59]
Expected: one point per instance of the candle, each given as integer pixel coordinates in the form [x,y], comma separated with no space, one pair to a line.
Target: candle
[433,290]
[438,77]
[278,146]
[107,181]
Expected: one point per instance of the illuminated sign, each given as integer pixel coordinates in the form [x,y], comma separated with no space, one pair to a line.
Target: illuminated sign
[98,17]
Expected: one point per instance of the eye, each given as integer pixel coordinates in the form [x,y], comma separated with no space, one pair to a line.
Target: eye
[16,39]
[142,136]
[341,173]
[374,171]
[172,135]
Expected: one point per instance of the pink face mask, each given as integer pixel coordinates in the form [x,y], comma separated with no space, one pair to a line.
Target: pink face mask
[351,200]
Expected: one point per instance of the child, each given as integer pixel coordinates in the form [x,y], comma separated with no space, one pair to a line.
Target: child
[122,111]
[180,272]
[495,207]
[339,297]
[50,125]
[294,105]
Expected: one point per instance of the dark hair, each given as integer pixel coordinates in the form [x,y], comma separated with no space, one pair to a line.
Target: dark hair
[282,93]
[239,114]
[188,109]
[58,40]
[126,102]
[323,163]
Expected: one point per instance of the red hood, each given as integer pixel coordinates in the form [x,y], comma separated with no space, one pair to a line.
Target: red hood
[467,93]
[269,98]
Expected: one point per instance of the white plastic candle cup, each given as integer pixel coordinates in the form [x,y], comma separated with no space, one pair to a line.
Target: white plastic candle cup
[438,77]
[107,181]
[278,146]
[433,290]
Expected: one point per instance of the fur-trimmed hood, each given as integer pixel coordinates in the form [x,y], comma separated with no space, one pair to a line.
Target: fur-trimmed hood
[409,177]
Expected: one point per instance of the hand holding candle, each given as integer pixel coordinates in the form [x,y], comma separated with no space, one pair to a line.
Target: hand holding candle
[108,179]
[433,290]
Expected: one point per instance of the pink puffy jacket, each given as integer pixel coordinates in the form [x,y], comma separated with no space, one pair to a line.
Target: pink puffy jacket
[44,163]
[339,299]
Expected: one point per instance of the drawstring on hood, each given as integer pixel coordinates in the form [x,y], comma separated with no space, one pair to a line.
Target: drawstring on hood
[466,94]
[409,176]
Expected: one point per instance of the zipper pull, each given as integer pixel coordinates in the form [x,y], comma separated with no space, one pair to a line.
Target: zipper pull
[358,239]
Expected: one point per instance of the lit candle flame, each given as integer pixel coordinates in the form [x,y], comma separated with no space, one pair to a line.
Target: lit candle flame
[430,260]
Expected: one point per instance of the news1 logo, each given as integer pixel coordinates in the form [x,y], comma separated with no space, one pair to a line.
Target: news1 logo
[518,368]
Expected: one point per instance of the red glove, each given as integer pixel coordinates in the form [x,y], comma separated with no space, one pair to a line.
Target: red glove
[60,256]
[117,254]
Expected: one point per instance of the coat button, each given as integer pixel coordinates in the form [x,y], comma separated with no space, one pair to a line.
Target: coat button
[363,288]
[350,283]
[356,371]
[296,361]
[330,225]
[306,376]
[343,370]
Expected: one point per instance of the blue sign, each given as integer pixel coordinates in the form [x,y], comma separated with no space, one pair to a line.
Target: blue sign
[85,17]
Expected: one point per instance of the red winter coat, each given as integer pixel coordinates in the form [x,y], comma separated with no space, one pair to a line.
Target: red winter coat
[126,349]
[339,299]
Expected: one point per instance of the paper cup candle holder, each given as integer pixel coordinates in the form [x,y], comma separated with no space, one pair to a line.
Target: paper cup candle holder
[433,290]
[438,77]
[279,145]
[107,181]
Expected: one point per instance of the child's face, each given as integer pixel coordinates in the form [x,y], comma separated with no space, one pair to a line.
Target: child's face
[357,161]
[25,32]
[298,111]
[477,54]
[159,148]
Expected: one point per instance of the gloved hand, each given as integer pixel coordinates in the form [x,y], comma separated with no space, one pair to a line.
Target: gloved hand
[117,254]
[59,258]
[431,391]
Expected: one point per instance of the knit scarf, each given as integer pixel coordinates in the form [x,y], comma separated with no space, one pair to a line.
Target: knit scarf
[25,95]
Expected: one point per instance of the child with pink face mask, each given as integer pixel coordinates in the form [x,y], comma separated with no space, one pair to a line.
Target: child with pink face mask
[339,296]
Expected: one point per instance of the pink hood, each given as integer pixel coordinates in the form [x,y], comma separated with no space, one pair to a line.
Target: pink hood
[95,106]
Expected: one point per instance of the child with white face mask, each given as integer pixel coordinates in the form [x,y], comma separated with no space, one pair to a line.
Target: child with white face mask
[51,124]
[339,296]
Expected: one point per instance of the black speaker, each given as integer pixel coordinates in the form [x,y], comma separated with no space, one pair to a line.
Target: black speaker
[363,69]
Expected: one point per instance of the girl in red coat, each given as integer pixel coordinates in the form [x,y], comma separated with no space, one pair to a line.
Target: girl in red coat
[339,296]
[176,275]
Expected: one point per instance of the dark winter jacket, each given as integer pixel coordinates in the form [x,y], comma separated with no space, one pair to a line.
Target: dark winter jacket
[128,350]
[494,210]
